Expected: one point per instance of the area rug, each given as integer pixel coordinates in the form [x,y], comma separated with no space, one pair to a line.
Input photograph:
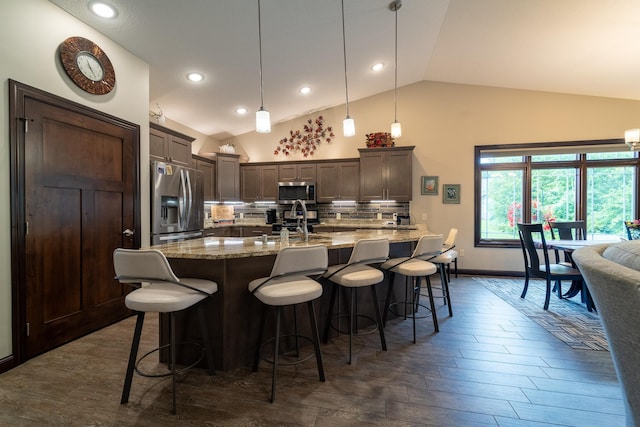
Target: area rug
[567,319]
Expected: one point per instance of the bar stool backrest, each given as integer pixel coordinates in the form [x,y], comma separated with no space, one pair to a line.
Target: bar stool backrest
[137,265]
[428,246]
[305,260]
[370,251]
[451,238]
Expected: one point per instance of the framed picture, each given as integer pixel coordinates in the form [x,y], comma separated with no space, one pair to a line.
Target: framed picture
[451,193]
[429,185]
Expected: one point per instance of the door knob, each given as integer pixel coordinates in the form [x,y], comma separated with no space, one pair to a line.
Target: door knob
[128,232]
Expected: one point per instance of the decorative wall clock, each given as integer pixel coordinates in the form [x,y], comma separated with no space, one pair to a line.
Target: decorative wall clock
[87,65]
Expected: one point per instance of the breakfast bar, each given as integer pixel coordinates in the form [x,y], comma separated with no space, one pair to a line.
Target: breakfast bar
[232,313]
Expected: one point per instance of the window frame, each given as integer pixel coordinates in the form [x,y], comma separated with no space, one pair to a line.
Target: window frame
[527,150]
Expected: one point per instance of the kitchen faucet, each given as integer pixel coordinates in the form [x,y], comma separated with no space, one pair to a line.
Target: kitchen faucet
[294,214]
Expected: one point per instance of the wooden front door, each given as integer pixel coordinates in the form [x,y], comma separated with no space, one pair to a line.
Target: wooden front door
[80,190]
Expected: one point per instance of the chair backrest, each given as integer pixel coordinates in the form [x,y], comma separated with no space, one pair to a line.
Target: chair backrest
[370,251]
[451,238]
[532,236]
[137,265]
[428,246]
[306,260]
[568,230]
[633,230]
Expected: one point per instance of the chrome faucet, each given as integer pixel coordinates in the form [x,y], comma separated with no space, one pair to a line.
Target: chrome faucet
[294,214]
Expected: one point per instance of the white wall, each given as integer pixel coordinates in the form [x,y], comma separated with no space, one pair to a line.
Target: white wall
[445,121]
[31,31]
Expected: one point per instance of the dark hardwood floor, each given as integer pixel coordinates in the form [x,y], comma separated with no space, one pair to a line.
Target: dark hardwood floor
[489,365]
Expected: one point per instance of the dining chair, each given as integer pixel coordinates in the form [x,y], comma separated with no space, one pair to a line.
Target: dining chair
[531,239]
[567,230]
[159,290]
[289,284]
[357,273]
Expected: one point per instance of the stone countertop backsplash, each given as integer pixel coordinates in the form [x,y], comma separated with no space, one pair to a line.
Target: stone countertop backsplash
[336,223]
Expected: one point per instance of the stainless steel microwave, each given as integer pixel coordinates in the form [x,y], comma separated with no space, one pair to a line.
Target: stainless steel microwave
[290,191]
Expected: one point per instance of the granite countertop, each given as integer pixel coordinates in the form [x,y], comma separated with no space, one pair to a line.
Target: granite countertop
[213,248]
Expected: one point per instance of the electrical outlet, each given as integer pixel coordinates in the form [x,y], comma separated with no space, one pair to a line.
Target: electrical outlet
[379,215]
[338,215]
[241,215]
[424,216]
[461,252]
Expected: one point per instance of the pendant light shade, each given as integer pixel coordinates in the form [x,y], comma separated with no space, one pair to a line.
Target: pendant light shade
[396,127]
[632,139]
[263,118]
[348,125]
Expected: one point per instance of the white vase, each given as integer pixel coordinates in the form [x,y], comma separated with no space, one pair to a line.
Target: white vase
[229,149]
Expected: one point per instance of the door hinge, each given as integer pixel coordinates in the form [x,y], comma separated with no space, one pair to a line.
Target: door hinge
[28,329]
[26,228]
[26,121]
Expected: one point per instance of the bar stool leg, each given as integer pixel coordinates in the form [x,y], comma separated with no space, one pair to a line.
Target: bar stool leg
[263,319]
[132,358]
[173,359]
[351,323]
[387,301]
[316,339]
[332,298]
[445,287]
[376,308]
[434,315]
[275,354]
[415,282]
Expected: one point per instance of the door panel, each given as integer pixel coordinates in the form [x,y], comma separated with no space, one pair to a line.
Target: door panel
[80,183]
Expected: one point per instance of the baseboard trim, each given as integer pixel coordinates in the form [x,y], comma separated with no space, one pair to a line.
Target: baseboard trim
[491,273]
[7,363]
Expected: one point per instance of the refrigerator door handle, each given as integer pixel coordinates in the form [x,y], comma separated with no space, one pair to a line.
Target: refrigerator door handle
[182,201]
[189,197]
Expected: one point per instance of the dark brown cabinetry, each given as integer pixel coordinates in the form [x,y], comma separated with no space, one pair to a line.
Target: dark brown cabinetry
[167,145]
[227,177]
[386,173]
[338,180]
[208,169]
[259,183]
[297,172]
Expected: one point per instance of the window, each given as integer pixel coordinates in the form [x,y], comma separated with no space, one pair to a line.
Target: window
[563,181]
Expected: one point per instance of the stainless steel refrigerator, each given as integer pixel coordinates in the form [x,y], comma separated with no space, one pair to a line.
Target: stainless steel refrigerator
[177,203]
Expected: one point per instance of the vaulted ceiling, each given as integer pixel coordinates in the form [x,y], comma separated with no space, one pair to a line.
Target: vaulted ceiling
[589,47]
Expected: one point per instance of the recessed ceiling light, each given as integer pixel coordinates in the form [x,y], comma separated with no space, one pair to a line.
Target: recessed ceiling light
[241,110]
[305,90]
[195,77]
[103,10]
[377,67]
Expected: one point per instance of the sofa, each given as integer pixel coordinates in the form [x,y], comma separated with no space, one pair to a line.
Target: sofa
[612,274]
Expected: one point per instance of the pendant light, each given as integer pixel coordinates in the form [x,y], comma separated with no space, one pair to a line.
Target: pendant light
[348,125]
[263,119]
[396,127]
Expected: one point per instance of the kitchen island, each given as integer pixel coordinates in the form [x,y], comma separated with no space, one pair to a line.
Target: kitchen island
[233,313]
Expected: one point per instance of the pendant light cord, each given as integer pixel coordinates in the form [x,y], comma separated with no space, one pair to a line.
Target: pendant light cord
[395,84]
[344,52]
[260,49]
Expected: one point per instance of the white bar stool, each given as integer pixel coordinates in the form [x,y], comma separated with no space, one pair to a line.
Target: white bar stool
[356,273]
[158,290]
[288,284]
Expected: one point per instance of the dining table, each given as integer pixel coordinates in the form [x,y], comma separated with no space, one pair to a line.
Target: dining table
[568,246]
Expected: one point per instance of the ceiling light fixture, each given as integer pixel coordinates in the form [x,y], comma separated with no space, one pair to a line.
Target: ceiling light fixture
[241,110]
[396,127]
[305,90]
[632,139]
[377,67]
[263,119]
[348,125]
[195,77]
[103,10]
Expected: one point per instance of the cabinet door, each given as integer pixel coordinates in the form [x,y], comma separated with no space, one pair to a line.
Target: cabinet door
[209,178]
[372,175]
[307,172]
[228,178]
[287,172]
[250,182]
[328,188]
[349,179]
[179,150]
[297,172]
[157,146]
[399,175]
[269,182]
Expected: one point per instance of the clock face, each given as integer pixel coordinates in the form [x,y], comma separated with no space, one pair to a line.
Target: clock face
[87,65]
[90,66]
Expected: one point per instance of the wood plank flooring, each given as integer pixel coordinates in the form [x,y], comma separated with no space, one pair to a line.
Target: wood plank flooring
[489,365]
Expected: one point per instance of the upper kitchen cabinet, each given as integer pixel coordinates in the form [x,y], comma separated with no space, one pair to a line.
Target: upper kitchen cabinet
[386,173]
[227,177]
[305,171]
[339,180]
[208,169]
[259,183]
[167,145]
